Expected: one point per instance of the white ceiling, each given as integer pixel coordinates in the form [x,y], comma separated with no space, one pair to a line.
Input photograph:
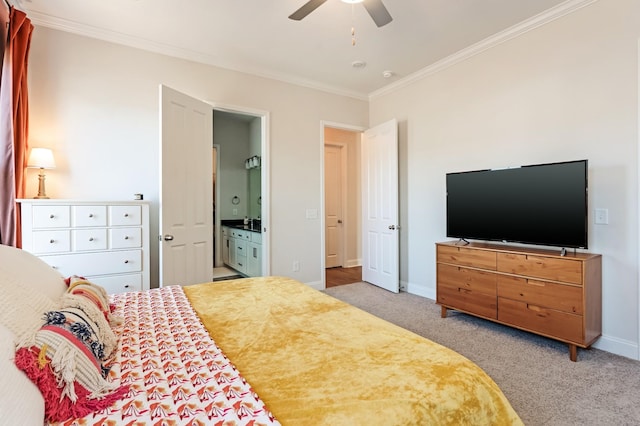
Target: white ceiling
[256,36]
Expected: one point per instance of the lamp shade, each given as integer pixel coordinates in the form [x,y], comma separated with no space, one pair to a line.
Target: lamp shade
[41,158]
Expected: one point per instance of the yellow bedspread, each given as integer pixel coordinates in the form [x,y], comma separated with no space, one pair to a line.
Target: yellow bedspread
[315,360]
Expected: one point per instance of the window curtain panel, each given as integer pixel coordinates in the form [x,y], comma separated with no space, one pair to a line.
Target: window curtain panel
[14,125]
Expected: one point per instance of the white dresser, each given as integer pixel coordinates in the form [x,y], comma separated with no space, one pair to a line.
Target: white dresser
[107,242]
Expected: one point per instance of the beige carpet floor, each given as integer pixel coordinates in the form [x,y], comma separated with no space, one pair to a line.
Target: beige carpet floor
[534,372]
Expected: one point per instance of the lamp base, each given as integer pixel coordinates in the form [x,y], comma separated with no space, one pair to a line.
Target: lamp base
[41,192]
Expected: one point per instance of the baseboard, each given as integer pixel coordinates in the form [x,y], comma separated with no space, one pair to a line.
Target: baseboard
[318,285]
[617,346]
[418,290]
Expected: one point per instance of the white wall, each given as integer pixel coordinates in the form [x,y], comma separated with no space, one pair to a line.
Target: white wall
[96,105]
[567,90]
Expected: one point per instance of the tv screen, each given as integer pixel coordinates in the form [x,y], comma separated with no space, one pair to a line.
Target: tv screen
[544,204]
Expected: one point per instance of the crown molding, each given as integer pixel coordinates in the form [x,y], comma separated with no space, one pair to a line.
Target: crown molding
[517,30]
[44,20]
[569,6]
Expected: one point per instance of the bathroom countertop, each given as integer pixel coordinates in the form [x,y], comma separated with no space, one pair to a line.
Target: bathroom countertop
[239,224]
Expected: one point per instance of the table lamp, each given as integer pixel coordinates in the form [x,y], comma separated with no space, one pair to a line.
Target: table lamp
[41,158]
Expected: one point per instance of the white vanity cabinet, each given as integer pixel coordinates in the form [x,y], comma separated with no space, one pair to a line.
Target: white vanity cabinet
[107,242]
[242,250]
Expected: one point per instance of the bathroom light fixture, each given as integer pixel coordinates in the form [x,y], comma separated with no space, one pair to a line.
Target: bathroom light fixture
[41,158]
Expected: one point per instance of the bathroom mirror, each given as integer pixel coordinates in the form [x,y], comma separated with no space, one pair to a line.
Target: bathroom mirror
[255,193]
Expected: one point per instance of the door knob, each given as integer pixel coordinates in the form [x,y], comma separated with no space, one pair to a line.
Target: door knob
[392,227]
[339,221]
[168,237]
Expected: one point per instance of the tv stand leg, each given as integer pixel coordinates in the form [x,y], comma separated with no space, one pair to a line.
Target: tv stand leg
[573,352]
[443,312]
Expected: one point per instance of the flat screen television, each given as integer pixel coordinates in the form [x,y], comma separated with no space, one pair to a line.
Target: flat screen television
[543,204]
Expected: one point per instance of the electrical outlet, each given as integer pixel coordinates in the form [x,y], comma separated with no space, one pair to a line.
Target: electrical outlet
[602,217]
[296,266]
[235,212]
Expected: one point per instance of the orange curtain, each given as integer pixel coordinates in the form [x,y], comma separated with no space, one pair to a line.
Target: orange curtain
[14,125]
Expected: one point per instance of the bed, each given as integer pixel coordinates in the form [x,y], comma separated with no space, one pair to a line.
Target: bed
[255,351]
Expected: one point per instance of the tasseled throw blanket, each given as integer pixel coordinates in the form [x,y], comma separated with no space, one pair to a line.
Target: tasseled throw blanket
[315,360]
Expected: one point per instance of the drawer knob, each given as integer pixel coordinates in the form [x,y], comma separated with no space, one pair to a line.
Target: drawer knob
[90,238]
[52,241]
[126,286]
[51,216]
[126,261]
[90,214]
[126,215]
[126,237]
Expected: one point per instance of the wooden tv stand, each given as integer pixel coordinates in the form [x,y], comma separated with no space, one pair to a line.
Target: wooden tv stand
[540,291]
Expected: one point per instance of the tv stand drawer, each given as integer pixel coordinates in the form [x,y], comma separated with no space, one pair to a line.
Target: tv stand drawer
[542,320]
[467,257]
[566,298]
[551,268]
[468,300]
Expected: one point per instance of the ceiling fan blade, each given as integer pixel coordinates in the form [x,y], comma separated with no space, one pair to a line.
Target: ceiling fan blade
[306,9]
[378,12]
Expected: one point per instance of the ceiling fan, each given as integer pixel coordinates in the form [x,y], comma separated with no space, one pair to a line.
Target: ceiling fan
[376,9]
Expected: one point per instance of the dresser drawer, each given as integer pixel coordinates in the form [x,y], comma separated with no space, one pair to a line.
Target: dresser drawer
[51,241]
[561,297]
[100,263]
[84,216]
[464,278]
[467,300]
[467,257]
[125,215]
[125,237]
[564,270]
[51,217]
[119,283]
[89,239]
[550,322]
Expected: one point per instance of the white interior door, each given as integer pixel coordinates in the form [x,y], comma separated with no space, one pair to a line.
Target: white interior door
[333,194]
[380,235]
[186,199]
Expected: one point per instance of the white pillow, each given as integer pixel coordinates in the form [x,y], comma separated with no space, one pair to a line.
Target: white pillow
[28,288]
[20,400]
[29,271]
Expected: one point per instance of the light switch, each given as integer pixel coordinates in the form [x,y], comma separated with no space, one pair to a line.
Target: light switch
[602,217]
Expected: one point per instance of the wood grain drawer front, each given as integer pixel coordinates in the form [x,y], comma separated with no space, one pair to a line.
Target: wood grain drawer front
[468,279]
[84,216]
[564,298]
[467,300]
[119,283]
[98,263]
[125,237]
[125,215]
[89,239]
[51,241]
[550,322]
[564,270]
[51,217]
[483,259]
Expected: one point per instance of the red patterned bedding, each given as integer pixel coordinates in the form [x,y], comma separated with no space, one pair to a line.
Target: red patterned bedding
[175,372]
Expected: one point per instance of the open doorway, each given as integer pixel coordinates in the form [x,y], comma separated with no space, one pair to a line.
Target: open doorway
[342,206]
